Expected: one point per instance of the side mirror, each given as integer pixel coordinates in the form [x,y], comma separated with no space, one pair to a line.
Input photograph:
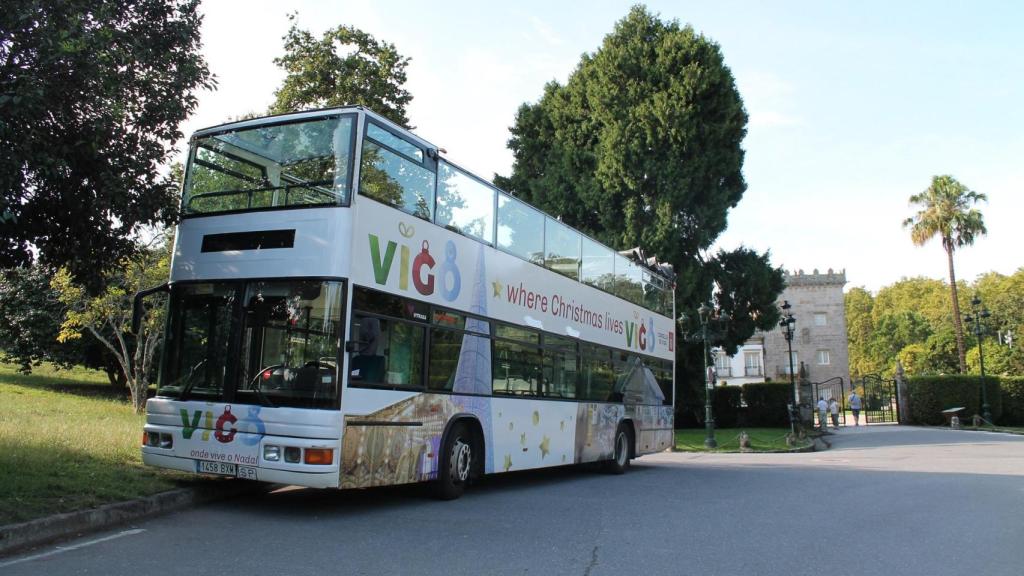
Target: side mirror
[137,304]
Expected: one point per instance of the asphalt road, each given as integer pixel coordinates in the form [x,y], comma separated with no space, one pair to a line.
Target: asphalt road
[884,500]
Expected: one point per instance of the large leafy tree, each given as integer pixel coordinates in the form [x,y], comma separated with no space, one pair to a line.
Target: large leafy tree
[946,210]
[344,66]
[642,147]
[746,287]
[30,322]
[91,96]
[860,329]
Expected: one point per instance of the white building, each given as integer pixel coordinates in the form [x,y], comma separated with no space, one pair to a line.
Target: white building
[745,367]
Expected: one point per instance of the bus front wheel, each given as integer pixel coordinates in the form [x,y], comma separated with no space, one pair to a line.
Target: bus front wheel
[620,458]
[456,463]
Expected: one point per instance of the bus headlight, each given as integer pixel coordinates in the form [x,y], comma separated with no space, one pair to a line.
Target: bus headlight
[271,453]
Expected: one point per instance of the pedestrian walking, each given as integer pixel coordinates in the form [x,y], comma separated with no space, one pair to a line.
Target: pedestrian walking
[855,407]
[833,407]
[822,412]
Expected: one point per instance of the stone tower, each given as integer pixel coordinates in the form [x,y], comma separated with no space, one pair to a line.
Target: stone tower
[819,338]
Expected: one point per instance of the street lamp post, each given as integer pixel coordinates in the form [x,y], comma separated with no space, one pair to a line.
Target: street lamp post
[708,317]
[980,313]
[787,323]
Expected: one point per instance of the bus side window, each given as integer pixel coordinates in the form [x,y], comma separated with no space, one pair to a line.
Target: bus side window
[386,352]
[597,376]
[396,172]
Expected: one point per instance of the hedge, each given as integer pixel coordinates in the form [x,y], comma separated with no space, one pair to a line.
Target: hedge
[1013,400]
[766,403]
[726,404]
[930,395]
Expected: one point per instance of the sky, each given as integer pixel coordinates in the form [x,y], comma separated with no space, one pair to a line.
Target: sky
[853,106]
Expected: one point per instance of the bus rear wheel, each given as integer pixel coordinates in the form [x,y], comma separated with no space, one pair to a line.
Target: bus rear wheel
[456,463]
[620,458]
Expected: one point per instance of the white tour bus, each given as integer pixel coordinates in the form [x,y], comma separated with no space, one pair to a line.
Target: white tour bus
[349,309]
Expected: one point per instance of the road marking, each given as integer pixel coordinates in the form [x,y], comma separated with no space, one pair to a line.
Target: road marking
[62,549]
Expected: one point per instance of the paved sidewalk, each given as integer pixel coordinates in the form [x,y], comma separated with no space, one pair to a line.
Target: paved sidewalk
[894,448]
[16,537]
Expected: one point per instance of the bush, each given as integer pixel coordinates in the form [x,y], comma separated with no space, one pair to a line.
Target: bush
[930,395]
[766,404]
[726,404]
[1012,393]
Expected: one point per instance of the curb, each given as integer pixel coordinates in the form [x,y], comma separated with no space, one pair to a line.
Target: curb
[14,537]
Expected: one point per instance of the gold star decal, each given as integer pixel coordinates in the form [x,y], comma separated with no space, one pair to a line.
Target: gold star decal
[536,417]
[522,438]
[508,462]
[497,288]
[545,447]
[561,426]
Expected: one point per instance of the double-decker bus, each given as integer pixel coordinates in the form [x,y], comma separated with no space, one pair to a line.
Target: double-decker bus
[348,309]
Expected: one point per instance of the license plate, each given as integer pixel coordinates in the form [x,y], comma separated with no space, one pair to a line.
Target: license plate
[221,468]
[226,469]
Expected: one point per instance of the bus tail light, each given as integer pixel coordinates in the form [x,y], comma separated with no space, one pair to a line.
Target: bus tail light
[319,456]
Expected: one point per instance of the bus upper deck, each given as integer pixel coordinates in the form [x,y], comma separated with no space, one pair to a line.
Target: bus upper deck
[308,159]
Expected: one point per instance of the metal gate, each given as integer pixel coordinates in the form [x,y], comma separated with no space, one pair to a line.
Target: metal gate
[879,399]
[829,389]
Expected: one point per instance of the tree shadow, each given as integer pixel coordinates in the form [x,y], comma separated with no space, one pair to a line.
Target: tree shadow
[68,384]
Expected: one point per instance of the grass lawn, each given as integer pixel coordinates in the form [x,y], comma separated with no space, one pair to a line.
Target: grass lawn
[68,441]
[761,439]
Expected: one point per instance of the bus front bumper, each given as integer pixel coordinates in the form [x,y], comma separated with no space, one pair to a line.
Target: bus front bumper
[152,457]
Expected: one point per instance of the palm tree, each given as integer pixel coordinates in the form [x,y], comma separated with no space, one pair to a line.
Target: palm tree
[947,212]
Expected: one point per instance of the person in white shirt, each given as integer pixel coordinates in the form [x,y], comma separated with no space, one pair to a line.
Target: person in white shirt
[833,407]
[822,412]
[855,407]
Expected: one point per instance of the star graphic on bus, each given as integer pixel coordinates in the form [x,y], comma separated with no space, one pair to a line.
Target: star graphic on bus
[497,288]
[545,447]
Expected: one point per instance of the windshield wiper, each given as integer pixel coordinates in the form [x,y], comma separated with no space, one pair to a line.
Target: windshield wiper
[190,381]
[254,385]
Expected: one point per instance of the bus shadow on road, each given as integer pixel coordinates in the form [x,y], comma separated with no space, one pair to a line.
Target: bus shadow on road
[301,502]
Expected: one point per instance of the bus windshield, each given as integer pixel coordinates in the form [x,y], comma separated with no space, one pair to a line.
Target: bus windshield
[304,163]
[287,354]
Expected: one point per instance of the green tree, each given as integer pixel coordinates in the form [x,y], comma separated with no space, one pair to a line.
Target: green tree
[747,286]
[1003,296]
[30,320]
[346,66]
[642,147]
[108,315]
[860,329]
[927,297]
[893,332]
[946,210]
[91,96]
